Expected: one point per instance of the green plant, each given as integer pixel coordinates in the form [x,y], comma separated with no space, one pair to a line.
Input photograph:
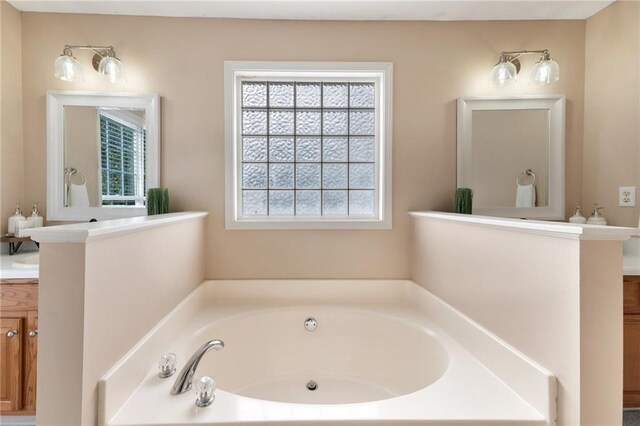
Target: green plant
[157,201]
[464,200]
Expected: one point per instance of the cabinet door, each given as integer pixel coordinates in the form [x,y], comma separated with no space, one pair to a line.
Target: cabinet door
[31,362]
[11,353]
[631,294]
[631,361]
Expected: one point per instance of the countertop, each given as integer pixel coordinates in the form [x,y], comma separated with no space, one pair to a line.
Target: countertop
[631,258]
[11,268]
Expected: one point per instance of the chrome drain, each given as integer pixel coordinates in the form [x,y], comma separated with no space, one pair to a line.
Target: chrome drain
[312,385]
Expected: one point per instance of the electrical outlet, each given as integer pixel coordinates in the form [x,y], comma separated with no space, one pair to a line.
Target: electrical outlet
[627,196]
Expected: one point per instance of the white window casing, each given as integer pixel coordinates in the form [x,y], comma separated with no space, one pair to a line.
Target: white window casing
[328,74]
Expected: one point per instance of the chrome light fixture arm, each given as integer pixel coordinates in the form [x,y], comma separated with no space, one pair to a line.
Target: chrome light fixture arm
[87,47]
[519,53]
[100,52]
[513,56]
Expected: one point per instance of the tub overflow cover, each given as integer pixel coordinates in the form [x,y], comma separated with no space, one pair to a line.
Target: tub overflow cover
[310,324]
[312,385]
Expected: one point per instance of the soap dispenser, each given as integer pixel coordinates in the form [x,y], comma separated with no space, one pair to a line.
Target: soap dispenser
[595,218]
[577,216]
[17,217]
[38,221]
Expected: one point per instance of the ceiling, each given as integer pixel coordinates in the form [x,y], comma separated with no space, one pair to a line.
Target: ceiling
[404,10]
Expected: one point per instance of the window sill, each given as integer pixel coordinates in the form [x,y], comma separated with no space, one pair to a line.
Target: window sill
[301,224]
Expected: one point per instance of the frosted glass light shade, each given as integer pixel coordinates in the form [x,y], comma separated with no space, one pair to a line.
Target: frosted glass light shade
[545,72]
[112,69]
[67,68]
[502,74]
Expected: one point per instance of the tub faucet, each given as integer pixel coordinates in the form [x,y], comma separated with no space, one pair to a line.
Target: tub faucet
[184,381]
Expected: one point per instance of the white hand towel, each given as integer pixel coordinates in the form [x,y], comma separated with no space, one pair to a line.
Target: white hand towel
[526,196]
[78,196]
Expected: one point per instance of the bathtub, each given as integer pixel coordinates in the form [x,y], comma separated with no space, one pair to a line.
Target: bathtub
[352,356]
[385,352]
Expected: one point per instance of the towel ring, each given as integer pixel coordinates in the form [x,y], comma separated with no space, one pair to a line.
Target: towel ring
[526,173]
[72,171]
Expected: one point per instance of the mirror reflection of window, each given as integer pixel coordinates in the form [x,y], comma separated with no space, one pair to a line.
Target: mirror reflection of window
[105,157]
[122,157]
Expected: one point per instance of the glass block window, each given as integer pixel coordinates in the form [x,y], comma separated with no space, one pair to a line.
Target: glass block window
[309,147]
[122,162]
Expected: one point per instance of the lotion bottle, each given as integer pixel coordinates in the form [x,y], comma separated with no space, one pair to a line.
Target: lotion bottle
[577,216]
[595,218]
[17,216]
[37,220]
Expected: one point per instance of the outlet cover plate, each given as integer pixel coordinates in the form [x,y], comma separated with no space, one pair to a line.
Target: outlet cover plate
[627,196]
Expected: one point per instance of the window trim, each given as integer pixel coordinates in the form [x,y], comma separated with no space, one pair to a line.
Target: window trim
[236,70]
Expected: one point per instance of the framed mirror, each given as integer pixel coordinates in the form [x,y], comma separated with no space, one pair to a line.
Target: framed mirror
[103,153]
[511,154]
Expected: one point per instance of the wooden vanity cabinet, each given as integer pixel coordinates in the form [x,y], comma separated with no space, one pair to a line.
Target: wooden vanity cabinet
[631,395]
[19,346]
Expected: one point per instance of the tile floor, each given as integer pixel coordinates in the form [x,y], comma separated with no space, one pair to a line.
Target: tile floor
[631,418]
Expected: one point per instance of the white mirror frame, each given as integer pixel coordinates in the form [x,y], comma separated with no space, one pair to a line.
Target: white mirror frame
[555,104]
[56,101]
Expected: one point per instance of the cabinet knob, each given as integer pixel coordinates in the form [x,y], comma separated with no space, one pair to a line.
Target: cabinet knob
[33,333]
[11,333]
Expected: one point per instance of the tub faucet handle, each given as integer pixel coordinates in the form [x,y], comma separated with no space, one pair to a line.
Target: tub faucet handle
[167,365]
[205,389]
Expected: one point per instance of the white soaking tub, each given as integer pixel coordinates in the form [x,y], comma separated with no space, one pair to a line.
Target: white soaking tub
[352,356]
[382,352]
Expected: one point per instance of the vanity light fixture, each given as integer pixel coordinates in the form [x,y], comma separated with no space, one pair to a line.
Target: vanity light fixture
[545,71]
[104,61]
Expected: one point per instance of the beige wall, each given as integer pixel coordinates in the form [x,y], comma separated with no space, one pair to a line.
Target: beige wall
[612,110]
[127,271]
[81,147]
[11,156]
[566,316]
[182,59]
[601,353]
[60,334]
[505,144]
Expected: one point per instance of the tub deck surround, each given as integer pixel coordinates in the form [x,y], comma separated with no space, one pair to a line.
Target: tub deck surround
[457,389]
[83,232]
[542,227]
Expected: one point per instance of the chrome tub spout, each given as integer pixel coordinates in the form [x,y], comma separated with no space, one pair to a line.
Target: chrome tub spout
[184,381]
